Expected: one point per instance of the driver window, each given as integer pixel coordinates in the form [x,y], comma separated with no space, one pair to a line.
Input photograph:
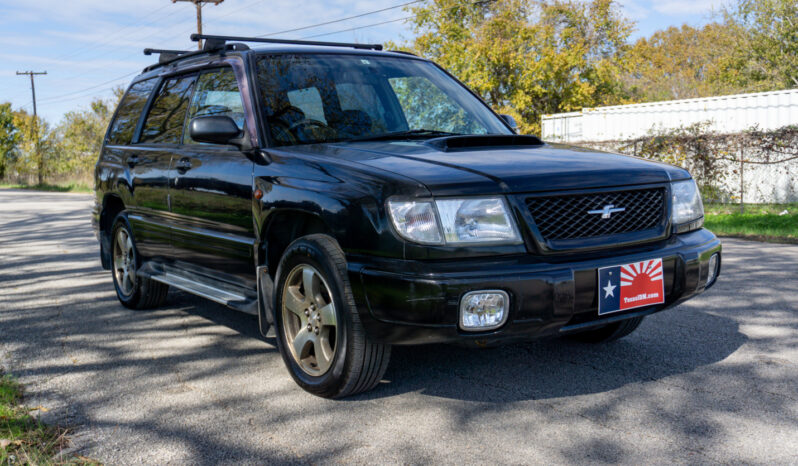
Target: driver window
[216,94]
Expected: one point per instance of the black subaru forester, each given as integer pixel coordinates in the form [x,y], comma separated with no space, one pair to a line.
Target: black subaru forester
[355,199]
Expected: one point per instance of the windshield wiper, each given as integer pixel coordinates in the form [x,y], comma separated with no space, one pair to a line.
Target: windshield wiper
[413,133]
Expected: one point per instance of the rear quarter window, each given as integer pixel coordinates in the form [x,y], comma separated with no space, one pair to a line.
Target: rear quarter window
[129,112]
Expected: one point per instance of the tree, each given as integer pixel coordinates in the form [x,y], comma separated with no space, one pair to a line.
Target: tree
[8,138]
[685,62]
[35,147]
[528,57]
[80,138]
[768,52]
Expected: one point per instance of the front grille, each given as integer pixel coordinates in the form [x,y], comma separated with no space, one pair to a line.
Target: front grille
[566,217]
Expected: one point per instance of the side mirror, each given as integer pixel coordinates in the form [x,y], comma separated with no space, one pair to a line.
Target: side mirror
[510,121]
[215,129]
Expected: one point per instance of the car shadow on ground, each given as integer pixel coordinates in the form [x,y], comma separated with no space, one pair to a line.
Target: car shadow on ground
[59,320]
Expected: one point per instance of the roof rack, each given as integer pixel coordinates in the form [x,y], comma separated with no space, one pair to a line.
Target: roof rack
[165,55]
[216,42]
[170,56]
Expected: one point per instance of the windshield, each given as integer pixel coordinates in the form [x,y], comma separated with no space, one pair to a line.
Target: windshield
[326,98]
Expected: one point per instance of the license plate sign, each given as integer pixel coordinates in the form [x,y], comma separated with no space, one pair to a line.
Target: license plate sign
[630,286]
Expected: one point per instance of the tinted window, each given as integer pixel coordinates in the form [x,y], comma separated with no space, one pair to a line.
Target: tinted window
[127,117]
[164,124]
[324,98]
[217,94]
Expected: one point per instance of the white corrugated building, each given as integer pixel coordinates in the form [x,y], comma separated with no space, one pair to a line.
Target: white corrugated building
[724,114]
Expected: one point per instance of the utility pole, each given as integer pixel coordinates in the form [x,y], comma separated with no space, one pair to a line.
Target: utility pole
[199,4]
[39,156]
[32,85]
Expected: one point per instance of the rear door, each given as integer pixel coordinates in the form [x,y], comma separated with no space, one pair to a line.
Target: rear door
[149,163]
[211,186]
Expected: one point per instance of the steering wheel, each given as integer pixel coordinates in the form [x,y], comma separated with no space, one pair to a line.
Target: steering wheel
[307,122]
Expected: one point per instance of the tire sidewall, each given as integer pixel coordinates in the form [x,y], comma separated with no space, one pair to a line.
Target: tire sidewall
[120,222]
[307,251]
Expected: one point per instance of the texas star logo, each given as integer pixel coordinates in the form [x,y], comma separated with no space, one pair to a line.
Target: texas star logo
[630,286]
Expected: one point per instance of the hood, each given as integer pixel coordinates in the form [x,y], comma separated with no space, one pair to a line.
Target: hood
[501,169]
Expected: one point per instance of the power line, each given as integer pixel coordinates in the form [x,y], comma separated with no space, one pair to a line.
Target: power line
[341,19]
[117,34]
[361,27]
[61,97]
[478,2]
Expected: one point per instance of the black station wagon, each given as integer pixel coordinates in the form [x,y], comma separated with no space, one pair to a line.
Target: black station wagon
[355,199]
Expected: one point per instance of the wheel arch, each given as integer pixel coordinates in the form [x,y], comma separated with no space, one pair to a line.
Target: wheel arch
[283,227]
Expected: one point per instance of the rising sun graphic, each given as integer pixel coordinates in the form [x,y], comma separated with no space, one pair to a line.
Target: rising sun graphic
[652,268]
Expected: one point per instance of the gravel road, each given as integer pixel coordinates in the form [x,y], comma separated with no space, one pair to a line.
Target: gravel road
[714,380]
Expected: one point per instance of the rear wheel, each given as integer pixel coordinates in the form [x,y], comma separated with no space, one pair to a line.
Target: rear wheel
[607,333]
[319,333]
[133,292]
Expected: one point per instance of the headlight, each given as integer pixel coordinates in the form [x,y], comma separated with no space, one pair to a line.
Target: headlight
[687,209]
[462,221]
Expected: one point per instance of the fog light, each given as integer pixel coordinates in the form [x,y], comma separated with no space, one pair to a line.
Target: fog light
[713,269]
[483,310]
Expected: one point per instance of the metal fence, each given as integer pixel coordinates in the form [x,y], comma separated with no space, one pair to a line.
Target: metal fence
[725,114]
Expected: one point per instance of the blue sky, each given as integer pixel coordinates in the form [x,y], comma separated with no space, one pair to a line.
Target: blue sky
[89,46]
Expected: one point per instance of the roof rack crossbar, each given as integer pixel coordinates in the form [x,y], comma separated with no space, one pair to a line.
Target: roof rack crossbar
[165,55]
[217,41]
[160,51]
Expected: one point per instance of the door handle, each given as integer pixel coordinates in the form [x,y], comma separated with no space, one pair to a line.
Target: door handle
[183,165]
[132,161]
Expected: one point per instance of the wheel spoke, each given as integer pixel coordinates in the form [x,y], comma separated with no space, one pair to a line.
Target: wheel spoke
[120,241]
[328,315]
[301,341]
[311,284]
[324,353]
[294,303]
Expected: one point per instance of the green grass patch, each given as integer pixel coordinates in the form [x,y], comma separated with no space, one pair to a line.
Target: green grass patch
[766,222]
[23,438]
[60,188]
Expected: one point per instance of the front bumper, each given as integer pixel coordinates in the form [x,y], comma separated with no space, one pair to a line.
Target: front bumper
[415,302]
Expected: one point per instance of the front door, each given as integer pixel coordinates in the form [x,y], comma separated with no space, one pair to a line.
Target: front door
[149,160]
[211,190]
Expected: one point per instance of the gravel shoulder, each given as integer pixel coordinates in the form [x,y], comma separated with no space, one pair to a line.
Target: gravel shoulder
[713,380]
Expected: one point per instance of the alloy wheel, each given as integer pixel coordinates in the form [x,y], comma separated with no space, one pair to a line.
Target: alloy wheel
[124,262]
[309,320]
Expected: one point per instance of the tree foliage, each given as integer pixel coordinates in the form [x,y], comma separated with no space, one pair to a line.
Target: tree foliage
[684,62]
[9,136]
[767,51]
[80,137]
[526,57]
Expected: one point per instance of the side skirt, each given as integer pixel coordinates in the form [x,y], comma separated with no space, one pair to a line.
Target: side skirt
[234,297]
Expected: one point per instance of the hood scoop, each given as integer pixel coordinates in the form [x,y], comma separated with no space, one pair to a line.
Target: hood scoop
[486,141]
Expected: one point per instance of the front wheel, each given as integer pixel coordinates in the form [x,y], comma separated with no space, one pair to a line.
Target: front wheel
[319,333]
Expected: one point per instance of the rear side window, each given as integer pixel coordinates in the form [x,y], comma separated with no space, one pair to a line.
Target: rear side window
[164,124]
[217,94]
[127,117]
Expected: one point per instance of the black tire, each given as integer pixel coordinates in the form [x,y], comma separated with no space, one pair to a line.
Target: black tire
[357,364]
[144,293]
[607,333]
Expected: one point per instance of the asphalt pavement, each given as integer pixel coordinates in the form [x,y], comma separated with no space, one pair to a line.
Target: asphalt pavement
[712,381]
